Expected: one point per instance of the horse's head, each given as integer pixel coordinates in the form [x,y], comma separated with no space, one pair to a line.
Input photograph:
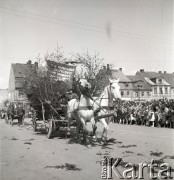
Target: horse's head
[115,88]
[85,83]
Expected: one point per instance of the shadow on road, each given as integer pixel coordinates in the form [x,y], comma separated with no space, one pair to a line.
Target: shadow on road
[67,166]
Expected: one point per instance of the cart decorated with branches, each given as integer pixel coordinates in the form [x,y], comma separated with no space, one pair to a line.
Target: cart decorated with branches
[48,83]
[46,90]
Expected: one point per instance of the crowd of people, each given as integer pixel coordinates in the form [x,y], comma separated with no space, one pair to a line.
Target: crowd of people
[155,113]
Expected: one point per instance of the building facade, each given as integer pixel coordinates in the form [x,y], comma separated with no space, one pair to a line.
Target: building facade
[152,85]
[141,89]
[18,73]
[3,96]
[126,86]
[169,78]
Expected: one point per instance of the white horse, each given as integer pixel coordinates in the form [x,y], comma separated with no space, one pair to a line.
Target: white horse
[84,109]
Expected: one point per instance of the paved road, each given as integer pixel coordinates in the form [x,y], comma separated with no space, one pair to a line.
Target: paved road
[28,155]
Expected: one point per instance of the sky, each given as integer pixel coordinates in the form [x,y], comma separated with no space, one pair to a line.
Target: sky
[130,34]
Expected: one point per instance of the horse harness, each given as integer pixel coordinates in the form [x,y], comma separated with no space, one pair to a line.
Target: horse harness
[106,109]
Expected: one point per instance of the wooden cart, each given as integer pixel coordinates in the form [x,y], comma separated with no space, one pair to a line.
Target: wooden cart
[52,118]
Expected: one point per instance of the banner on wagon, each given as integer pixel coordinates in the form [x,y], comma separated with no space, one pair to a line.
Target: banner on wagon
[59,71]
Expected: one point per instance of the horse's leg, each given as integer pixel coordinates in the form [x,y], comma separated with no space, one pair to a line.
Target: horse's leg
[69,116]
[94,128]
[105,130]
[85,133]
[78,131]
[79,125]
[11,120]
[19,121]
[68,127]
[23,117]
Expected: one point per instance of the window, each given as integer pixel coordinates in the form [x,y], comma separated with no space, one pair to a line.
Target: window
[21,93]
[148,94]
[161,90]
[136,94]
[122,93]
[155,90]
[166,90]
[139,86]
[160,81]
[127,93]
[142,93]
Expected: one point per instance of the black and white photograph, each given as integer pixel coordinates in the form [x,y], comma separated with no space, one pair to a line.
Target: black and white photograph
[86,89]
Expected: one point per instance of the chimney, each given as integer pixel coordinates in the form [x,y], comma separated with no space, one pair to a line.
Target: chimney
[141,70]
[159,71]
[164,72]
[120,69]
[29,62]
[108,67]
[36,65]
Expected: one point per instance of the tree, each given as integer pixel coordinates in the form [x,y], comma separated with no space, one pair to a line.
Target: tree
[102,79]
[56,55]
[5,102]
[93,63]
[39,86]
[98,75]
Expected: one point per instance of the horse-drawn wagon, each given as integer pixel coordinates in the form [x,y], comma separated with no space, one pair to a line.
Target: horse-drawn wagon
[15,110]
[51,118]
[85,109]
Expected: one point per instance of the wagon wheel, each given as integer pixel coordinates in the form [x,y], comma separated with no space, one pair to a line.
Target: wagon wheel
[49,129]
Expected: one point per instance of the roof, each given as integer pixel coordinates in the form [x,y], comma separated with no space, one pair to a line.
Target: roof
[21,70]
[133,78]
[149,81]
[147,74]
[139,80]
[169,78]
[118,74]
[126,85]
